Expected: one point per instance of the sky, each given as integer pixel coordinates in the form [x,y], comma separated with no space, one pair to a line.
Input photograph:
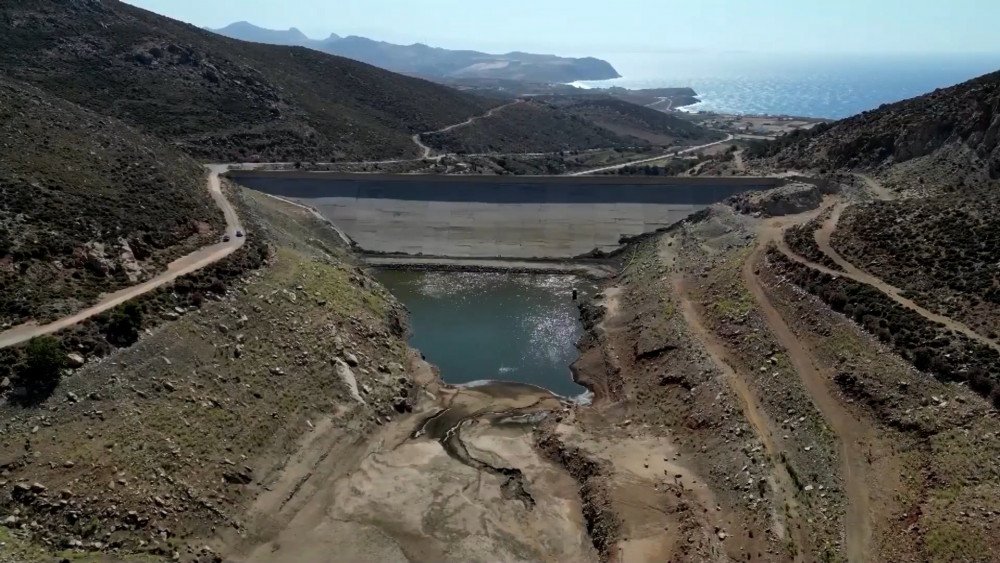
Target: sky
[601,27]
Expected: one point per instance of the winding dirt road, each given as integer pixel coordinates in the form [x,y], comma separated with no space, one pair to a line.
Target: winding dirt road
[651,159]
[180,267]
[852,272]
[426,152]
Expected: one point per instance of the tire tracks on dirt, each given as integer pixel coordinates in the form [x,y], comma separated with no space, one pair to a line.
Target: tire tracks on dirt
[852,433]
[781,479]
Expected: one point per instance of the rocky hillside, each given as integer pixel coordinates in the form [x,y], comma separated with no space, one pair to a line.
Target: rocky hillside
[87,205]
[631,120]
[218,98]
[965,119]
[172,438]
[433,62]
[566,124]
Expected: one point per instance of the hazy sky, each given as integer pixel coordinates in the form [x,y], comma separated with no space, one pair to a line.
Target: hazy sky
[613,26]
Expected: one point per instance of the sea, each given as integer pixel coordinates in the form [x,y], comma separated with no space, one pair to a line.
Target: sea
[824,86]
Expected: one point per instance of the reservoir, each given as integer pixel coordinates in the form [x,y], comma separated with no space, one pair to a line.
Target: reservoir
[478,326]
[496,216]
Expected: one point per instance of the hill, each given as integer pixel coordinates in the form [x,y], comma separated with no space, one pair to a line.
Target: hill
[433,62]
[630,120]
[87,205]
[562,123]
[218,98]
[246,31]
[527,128]
[937,243]
[962,120]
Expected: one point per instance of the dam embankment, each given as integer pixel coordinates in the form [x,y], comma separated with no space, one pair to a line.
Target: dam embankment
[497,216]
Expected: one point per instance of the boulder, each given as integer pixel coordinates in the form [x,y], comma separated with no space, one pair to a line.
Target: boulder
[345,374]
[75,360]
[351,359]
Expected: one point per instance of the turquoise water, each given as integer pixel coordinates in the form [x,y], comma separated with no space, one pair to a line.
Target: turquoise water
[830,86]
[494,326]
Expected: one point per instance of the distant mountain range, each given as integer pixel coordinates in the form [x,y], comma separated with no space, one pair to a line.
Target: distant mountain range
[432,62]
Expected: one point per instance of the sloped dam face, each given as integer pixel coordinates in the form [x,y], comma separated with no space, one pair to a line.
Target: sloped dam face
[497,216]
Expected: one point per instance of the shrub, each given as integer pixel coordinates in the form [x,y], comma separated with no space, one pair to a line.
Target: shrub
[42,367]
[124,324]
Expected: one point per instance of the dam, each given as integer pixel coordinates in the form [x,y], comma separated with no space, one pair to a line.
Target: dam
[508,217]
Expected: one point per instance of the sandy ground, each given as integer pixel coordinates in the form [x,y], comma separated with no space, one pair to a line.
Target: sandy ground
[471,229]
[405,495]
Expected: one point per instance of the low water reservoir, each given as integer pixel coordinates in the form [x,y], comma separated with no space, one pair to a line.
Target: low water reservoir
[495,326]
[497,216]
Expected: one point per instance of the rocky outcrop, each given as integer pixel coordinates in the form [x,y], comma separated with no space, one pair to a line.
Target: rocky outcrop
[785,200]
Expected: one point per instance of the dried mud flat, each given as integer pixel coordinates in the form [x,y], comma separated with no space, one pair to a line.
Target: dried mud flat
[459,479]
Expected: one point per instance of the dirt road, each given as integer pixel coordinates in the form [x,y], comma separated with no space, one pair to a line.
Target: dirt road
[426,151]
[852,433]
[876,187]
[850,271]
[781,480]
[180,267]
[652,159]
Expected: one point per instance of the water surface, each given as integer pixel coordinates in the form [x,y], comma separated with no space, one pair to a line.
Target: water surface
[831,86]
[494,326]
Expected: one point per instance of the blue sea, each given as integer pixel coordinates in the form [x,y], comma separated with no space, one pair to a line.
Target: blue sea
[828,86]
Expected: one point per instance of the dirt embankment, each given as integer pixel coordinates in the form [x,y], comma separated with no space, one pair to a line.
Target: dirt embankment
[887,427]
[686,476]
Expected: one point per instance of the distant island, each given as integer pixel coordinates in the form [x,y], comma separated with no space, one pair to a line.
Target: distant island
[433,62]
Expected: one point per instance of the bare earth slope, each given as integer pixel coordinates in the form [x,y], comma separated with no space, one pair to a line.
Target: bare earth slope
[87,205]
[221,99]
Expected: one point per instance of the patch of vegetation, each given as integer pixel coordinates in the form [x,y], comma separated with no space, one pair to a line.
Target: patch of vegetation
[41,368]
[802,240]
[673,167]
[930,347]
[944,251]
[526,128]
[634,121]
